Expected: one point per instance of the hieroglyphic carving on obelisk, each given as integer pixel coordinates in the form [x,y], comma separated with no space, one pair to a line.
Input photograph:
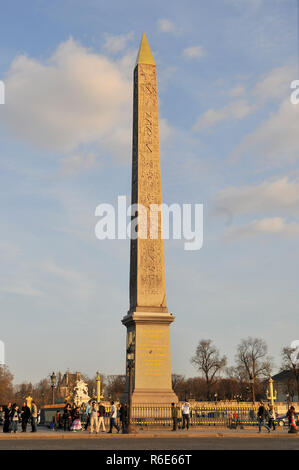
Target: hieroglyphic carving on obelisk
[147,270]
[148,319]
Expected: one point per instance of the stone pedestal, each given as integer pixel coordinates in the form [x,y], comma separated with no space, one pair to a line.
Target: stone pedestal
[148,332]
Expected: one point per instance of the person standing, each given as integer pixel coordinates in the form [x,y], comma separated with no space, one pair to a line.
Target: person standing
[7,418]
[15,416]
[87,412]
[113,416]
[261,417]
[272,417]
[25,416]
[186,415]
[34,414]
[102,414]
[94,418]
[67,417]
[123,416]
[174,415]
[76,424]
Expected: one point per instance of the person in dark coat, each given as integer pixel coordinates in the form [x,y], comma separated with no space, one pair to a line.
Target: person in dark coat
[174,415]
[25,416]
[67,417]
[7,418]
[262,415]
[123,416]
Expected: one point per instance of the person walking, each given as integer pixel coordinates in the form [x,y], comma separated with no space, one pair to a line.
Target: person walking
[7,418]
[113,416]
[34,414]
[102,414]
[25,416]
[186,415]
[261,417]
[15,416]
[272,418]
[94,418]
[174,415]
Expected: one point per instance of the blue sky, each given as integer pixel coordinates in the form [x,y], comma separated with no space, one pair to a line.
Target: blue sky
[229,140]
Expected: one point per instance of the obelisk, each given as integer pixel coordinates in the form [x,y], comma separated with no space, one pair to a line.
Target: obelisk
[148,319]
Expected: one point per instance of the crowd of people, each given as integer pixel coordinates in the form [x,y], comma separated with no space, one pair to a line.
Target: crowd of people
[13,414]
[91,417]
[266,417]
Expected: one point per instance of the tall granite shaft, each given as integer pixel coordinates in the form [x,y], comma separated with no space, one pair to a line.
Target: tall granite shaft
[148,319]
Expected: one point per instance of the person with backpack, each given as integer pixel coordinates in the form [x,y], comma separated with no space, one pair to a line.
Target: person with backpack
[262,415]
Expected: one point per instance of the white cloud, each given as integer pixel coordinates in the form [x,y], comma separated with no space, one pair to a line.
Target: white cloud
[115,44]
[275,85]
[275,225]
[237,91]
[75,98]
[167,26]
[234,111]
[194,52]
[75,163]
[21,289]
[279,196]
[270,197]
[77,103]
[276,139]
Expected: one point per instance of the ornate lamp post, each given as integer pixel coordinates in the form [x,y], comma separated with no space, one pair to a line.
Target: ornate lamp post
[271,396]
[98,380]
[53,383]
[215,396]
[130,359]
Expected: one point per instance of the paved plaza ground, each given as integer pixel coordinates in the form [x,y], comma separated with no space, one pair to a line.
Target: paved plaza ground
[199,439]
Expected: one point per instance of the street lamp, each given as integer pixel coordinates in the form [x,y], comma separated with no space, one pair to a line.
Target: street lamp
[130,362]
[251,381]
[215,396]
[271,396]
[288,399]
[53,383]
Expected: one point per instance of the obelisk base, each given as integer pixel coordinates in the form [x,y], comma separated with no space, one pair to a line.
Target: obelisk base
[148,333]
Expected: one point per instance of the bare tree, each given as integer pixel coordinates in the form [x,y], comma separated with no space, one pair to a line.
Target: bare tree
[6,386]
[290,363]
[115,386]
[207,360]
[252,361]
